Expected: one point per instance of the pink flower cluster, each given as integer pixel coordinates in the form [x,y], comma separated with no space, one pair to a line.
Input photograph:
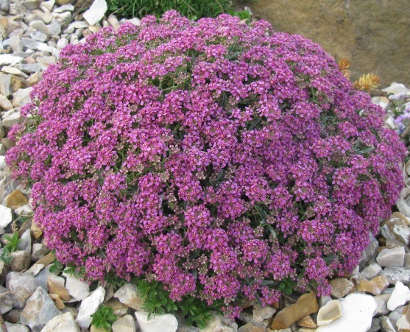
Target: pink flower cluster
[219,158]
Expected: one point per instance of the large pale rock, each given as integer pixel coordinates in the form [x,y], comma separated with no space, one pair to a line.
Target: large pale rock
[360,31]
[39,310]
[331,311]
[341,287]
[124,324]
[374,286]
[76,288]
[391,257]
[400,296]
[96,12]
[403,323]
[62,323]
[11,118]
[5,216]
[395,274]
[306,305]
[89,306]
[25,241]
[357,315]
[128,295]
[157,323]
[403,207]
[396,229]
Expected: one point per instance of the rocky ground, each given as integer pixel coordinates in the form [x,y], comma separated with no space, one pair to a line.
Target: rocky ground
[32,33]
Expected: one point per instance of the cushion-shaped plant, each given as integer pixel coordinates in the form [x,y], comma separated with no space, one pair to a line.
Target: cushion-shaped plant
[221,159]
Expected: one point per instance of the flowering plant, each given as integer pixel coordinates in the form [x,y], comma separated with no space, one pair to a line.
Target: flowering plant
[221,159]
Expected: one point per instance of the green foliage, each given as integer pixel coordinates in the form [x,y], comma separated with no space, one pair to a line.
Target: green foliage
[193,9]
[56,267]
[6,257]
[13,242]
[103,318]
[243,15]
[157,301]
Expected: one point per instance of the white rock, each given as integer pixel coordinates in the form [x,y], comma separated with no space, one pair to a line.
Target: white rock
[13,71]
[76,288]
[62,323]
[64,8]
[5,216]
[23,210]
[21,97]
[48,5]
[396,88]
[8,59]
[89,306]
[96,12]
[390,122]
[357,315]
[391,257]
[11,119]
[331,311]
[381,301]
[54,28]
[128,295]
[63,42]
[124,324]
[135,21]
[400,296]
[156,323]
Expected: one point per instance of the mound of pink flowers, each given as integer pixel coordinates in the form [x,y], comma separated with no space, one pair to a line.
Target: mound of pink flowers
[222,159]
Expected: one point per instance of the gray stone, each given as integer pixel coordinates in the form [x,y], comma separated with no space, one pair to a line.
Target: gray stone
[371,271]
[31,4]
[5,85]
[89,306]
[5,5]
[54,28]
[5,306]
[386,325]
[381,302]
[391,257]
[39,36]
[403,207]
[21,97]
[96,12]
[35,45]
[395,274]
[16,327]
[21,260]
[39,310]
[375,325]
[39,25]
[39,250]
[370,251]
[217,323]
[42,277]
[22,285]
[16,44]
[25,241]
[31,68]
[45,15]
[62,323]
